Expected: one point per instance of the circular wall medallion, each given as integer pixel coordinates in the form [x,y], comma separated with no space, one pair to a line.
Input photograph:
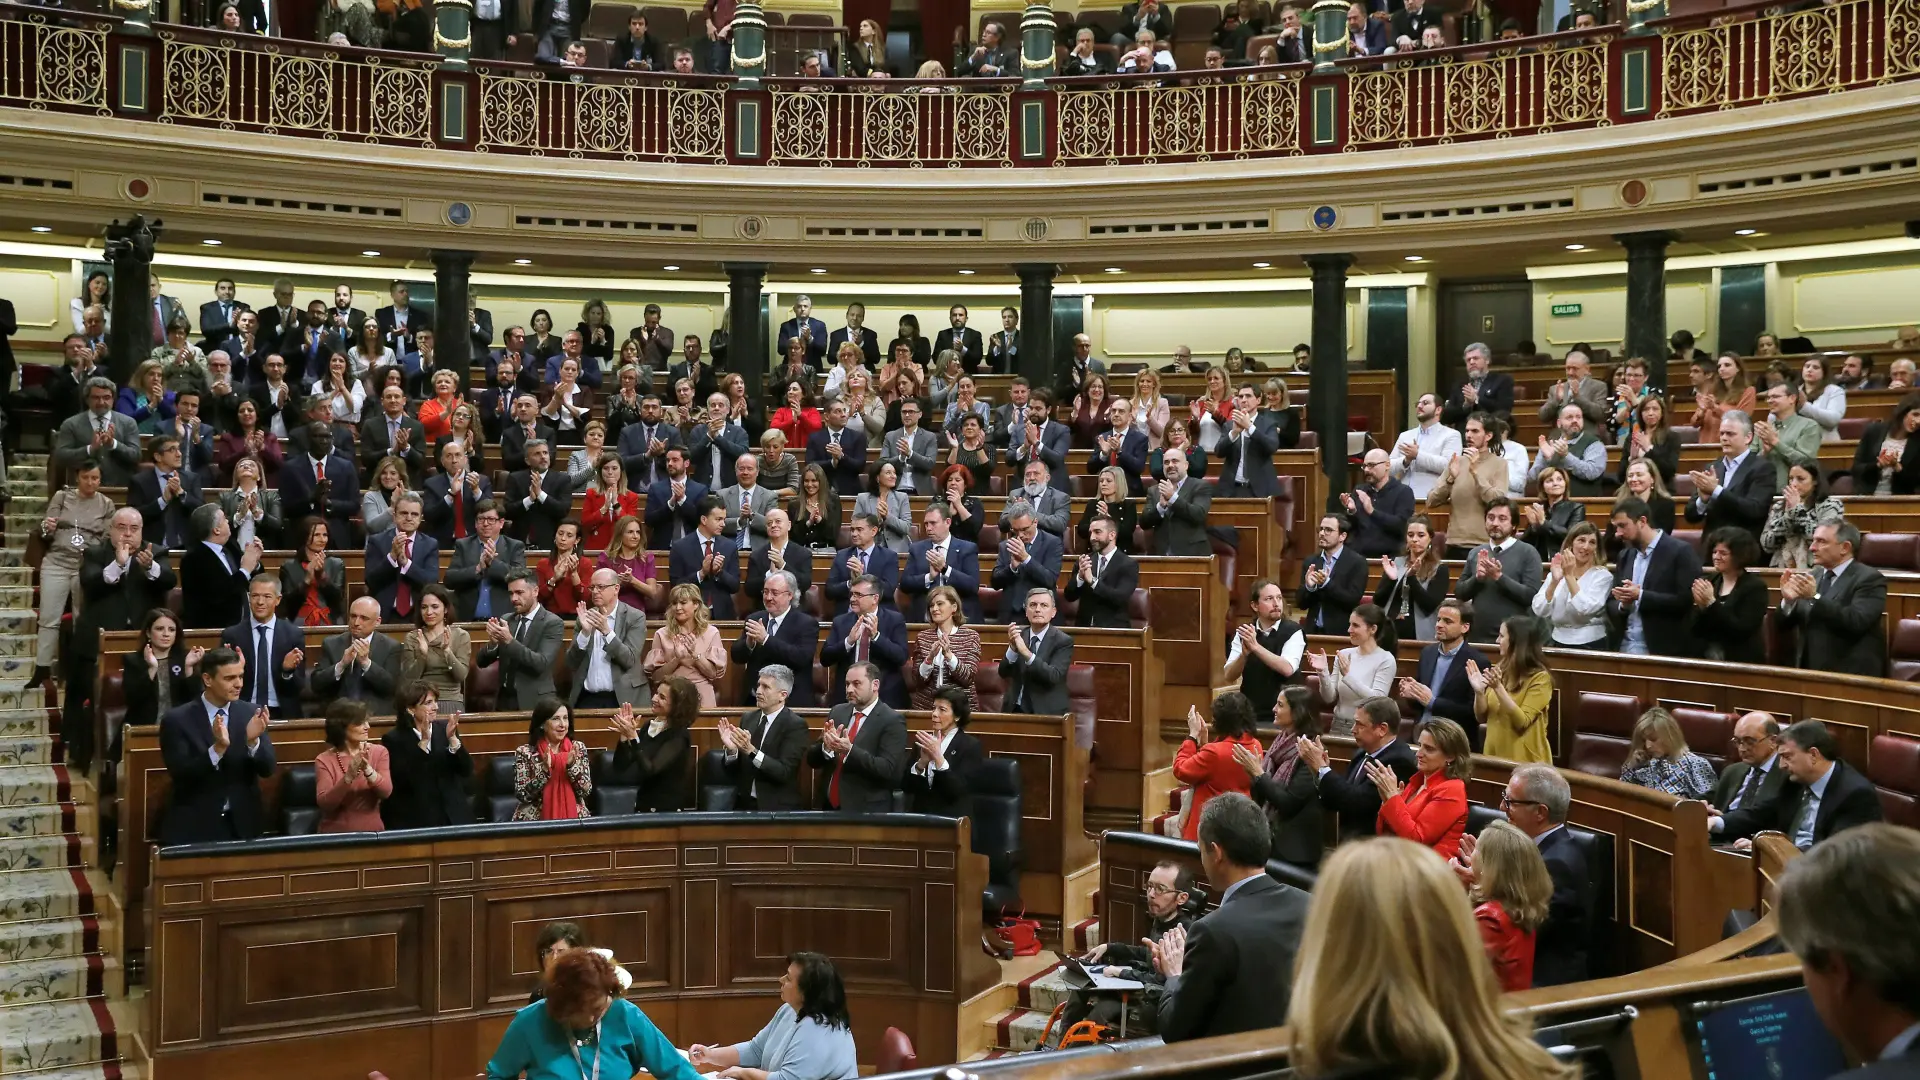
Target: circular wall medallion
[138,189]
[1633,192]
[1325,217]
[459,213]
[752,227]
[1035,228]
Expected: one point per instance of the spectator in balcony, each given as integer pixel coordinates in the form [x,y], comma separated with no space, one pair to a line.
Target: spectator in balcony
[555,23]
[866,57]
[1826,399]
[1882,465]
[1804,505]
[814,66]
[1658,758]
[1240,24]
[1146,56]
[1369,33]
[638,50]
[1081,59]
[1296,41]
[352,18]
[1410,25]
[991,58]
[1149,15]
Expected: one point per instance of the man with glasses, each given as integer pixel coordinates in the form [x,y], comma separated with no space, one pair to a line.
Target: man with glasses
[864,557]
[481,566]
[1536,801]
[780,636]
[609,642]
[867,633]
[1170,902]
[1756,777]
[402,561]
[1376,726]
[1824,795]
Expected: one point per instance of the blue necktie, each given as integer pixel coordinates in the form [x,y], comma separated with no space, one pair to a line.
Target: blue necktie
[483,609]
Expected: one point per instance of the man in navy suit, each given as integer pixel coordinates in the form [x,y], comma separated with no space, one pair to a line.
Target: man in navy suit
[866,556]
[942,559]
[673,502]
[1439,682]
[214,775]
[842,449]
[705,558]
[402,555]
[451,495]
[1738,489]
[1042,438]
[1029,559]
[217,316]
[1333,581]
[1536,802]
[1246,450]
[869,633]
[856,332]
[644,446]
[961,338]
[1123,446]
[1823,795]
[273,680]
[304,493]
[317,341]
[807,328]
[781,634]
[1352,795]
[1104,582]
[165,496]
[1651,605]
[401,321]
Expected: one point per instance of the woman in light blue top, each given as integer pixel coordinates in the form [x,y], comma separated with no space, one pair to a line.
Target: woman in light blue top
[884,499]
[809,1038]
[585,1030]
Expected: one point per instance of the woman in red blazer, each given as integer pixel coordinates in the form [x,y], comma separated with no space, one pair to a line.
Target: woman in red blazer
[1511,891]
[1208,766]
[1432,808]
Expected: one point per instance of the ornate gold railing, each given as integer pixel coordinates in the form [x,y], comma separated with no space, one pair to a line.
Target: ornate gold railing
[1743,61]
[288,87]
[1451,96]
[1115,122]
[46,64]
[627,117]
[865,124]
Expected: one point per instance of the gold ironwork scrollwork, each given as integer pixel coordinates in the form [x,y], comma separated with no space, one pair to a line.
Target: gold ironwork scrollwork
[1269,116]
[892,128]
[194,79]
[1805,56]
[696,123]
[1576,85]
[1177,121]
[980,127]
[1695,70]
[72,66]
[799,126]
[1475,97]
[402,104]
[1377,107]
[509,111]
[302,93]
[1086,124]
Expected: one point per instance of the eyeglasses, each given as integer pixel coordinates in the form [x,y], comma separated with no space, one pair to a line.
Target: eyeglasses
[1748,743]
[1508,800]
[1154,888]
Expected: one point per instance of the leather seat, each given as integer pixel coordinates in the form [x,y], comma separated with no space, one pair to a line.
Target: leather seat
[1139,611]
[1082,703]
[1904,651]
[988,687]
[1286,873]
[300,801]
[996,833]
[1893,764]
[1889,551]
[716,790]
[896,1053]
[1709,733]
[989,601]
[610,795]
[1602,729]
[483,688]
[501,801]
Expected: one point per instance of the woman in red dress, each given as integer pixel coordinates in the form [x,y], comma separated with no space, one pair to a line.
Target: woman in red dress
[563,577]
[436,413]
[1432,808]
[1208,765]
[607,501]
[1511,890]
[797,419]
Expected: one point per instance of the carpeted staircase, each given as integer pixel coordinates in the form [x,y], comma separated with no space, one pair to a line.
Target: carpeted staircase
[57,951]
[1018,1029]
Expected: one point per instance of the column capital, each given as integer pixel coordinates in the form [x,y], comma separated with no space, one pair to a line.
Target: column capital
[1655,240]
[447,259]
[1328,263]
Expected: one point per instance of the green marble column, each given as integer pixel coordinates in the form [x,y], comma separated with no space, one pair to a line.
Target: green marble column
[1036,46]
[453,31]
[749,45]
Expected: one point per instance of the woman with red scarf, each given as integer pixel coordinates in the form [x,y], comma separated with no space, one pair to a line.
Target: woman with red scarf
[550,774]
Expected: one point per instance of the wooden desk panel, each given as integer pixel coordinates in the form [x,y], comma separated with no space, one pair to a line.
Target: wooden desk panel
[387,951]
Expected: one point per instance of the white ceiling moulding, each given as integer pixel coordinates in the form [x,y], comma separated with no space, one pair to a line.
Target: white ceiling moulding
[1892,245]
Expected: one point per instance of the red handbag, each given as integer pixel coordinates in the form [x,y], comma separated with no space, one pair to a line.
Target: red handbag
[1020,933]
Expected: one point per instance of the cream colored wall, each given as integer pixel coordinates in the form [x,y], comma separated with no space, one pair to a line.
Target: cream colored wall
[1267,325]
[1693,303]
[41,290]
[1846,301]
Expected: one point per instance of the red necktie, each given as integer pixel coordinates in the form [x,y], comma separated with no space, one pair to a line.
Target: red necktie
[403,592]
[833,789]
[460,510]
[319,472]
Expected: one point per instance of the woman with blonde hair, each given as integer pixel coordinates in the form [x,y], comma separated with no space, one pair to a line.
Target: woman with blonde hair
[1109,501]
[1658,758]
[1390,982]
[1511,890]
[1150,409]
[779,470]
[688,645]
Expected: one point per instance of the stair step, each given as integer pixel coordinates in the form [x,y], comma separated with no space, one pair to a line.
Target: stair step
[20,621]
[16,575]
[23,505]
[57,978]
[15,695]
[32,895]
[16,667]
[1019,1030]
[28,750]
[1044,992]
[21,722]
[74,1037]
[29,852]
[49,938]
[34,785]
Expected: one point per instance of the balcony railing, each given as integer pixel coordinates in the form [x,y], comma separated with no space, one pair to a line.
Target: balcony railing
[64,62]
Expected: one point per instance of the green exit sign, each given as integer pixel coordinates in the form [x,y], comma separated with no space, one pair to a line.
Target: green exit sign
[1561,310]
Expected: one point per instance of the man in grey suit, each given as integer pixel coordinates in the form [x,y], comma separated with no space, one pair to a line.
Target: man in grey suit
[525,644]
[1042,439]
[609,642]
[1839,607]
[1500,577]
[360,665]
[483,565]
[100,433]
[747,504]
[1177,509]
[1029,559]
[1578,388]
[1038,656]
[164,310]
[1051,507]
[911,448]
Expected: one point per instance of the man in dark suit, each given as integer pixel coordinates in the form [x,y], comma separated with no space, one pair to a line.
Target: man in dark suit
[1104,582]
[763,751]
[1846,909]
[1029,559]
[839,447]
[401,321]
[360,665]
[1246,450]
[280,325]
[656,341]
[528,426]
[1839,607]
[165,495]
[1177,510]
[1410,23]
[276,675]
[1003,348]
[1038,656]
[673,502]
[479,327]
[328,331]
[962,339]
[1122,446]
[794,559]
[275,395]
[1536,802]
[453,494]
[715,443]
[1757,776]
[867,633]
[215,777]
[941,559]
[539,498]
[525,644]
[164,310]
[864,556]
[218,314]
[320,483]
[1232,971]
[1739,488]
[1042,438]
[1651,605]
[692,369]
[1379,507]
[100,433]
[781,635]
[1481,391]
[318,409]
[1823,796]
[482,570]
[643,446]
[807,328]
[431,769]
[1353,796]
[1333,581]
[1439,684]
[391,432]
[122,579]
[1142,15]
[404,555]
[862,749]
[856,332]
[991,58]
[217,570]
[705,558]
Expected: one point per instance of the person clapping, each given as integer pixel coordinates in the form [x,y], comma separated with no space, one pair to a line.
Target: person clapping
[353,776]
[550,773]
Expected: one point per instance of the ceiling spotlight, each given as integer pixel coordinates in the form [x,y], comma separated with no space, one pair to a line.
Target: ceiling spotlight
[43,228]
[1115,270]
[1416,258]
[1261,265]
[967,273]
[669,267]
[1576,247]
[523,262]
[370,254]
[819,270]
[211,242]
[1744,232]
